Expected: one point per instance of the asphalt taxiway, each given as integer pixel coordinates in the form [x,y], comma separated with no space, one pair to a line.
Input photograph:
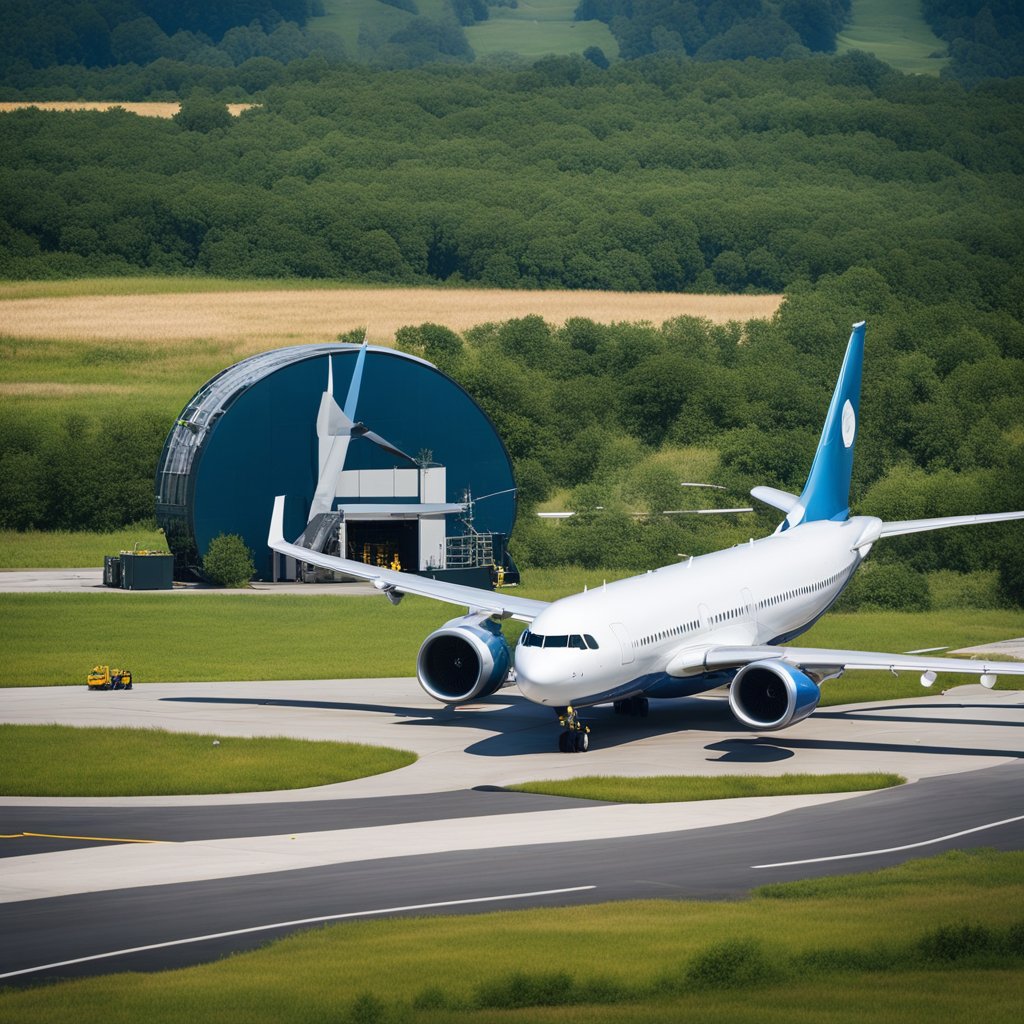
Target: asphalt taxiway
[93,885]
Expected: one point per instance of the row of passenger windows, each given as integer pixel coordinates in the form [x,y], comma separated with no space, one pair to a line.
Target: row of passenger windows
[811,588]
[664,634]
[581,643]
[735,613]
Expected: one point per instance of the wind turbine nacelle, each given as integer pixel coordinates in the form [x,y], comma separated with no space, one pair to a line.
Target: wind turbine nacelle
[465,659]
[770,695]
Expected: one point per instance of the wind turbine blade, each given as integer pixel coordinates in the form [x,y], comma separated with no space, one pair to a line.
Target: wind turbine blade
[381,443]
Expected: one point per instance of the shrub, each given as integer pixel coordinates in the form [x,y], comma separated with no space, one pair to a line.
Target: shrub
[954,941]
[729,964]
[887,585]
[552,988]
[228,562]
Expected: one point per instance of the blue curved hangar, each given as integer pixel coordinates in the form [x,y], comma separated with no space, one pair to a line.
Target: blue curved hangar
[383,459]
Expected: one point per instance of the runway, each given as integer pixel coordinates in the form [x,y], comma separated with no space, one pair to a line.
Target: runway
[216,873]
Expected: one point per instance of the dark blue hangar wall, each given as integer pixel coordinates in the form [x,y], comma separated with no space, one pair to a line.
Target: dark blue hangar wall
[250,434]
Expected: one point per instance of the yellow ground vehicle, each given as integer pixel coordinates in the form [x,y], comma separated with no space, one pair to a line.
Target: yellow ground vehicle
[103,677]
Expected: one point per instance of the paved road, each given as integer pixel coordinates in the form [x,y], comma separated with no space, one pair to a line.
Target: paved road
[431,837]
[706,863]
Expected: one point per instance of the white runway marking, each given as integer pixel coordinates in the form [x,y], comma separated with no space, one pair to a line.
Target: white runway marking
[293,924]
[891,849]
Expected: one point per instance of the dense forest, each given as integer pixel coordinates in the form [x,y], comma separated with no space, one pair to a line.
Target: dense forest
[986,37]
[714,30]
[653,174]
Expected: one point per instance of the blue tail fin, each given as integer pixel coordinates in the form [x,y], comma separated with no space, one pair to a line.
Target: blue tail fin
[826,495]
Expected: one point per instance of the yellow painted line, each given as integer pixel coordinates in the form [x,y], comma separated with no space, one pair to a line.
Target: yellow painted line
[84,839]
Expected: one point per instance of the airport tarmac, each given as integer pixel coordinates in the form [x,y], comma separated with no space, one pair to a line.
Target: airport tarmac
[441,835]
[90,581]
[505,739]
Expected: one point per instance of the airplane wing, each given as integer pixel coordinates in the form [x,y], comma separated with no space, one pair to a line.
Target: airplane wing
[394,584]
[823,661]
[895,529]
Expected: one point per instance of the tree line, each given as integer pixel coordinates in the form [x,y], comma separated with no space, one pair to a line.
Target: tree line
[650,175]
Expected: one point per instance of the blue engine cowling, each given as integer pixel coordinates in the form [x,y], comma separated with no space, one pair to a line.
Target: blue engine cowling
[465,659]
[769,695]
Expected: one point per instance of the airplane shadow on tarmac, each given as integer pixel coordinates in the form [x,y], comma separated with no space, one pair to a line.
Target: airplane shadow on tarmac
[516,726]
[879,714]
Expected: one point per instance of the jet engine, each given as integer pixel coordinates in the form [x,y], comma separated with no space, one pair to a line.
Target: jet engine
[466,658]
[769,695]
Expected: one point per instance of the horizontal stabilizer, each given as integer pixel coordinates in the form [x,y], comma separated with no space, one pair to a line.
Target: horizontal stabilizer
[782,500]
[922,525]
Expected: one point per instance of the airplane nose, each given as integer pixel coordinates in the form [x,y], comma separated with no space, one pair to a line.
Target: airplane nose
[538,678]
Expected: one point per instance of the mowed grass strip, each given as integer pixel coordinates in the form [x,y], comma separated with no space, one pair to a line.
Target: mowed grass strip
[663,789]
[932,940]
[71,549]
[54,639]
[63,760]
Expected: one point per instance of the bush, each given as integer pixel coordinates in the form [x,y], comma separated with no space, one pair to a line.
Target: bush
[228,562]
[954,942]
[949,589]
[515,991]
[887,585]
[730,965]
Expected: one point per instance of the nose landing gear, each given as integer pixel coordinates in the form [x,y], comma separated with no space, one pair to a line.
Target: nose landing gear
[576,737]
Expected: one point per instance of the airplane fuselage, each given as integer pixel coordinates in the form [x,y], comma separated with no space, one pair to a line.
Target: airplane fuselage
[631,637]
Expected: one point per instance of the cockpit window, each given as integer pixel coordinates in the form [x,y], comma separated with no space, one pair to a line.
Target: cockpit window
[573,640]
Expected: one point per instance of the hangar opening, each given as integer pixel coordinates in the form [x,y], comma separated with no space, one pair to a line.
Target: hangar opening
[382,458]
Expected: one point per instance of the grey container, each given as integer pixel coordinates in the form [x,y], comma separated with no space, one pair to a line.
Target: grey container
[111,570]
[147,572]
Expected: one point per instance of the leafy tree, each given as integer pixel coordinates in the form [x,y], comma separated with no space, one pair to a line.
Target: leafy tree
[228,562]
[202,114]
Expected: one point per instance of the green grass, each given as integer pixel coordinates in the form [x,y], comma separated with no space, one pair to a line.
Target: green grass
[895,32]
[171,637]
[538,27]
[60,760]
[661,789]
[147,284]
[878,947]
[69,549]
[238,636]
[347,17]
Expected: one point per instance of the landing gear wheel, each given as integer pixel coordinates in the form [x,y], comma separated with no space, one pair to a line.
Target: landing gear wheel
[581,742]
[565,742]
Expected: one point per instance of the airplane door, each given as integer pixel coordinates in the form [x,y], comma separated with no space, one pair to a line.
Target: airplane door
[622,635]
[751,604]
[704,613]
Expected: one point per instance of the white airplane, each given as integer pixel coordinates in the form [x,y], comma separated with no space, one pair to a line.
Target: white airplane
[724,617]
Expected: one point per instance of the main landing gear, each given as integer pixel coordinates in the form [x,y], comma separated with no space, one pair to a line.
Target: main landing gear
[576,737]
[636,706]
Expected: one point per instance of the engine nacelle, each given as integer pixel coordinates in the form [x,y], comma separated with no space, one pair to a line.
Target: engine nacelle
[769,695]
[465,659]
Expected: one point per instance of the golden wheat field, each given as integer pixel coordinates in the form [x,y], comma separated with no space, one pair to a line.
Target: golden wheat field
[143,109]
[264,318]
